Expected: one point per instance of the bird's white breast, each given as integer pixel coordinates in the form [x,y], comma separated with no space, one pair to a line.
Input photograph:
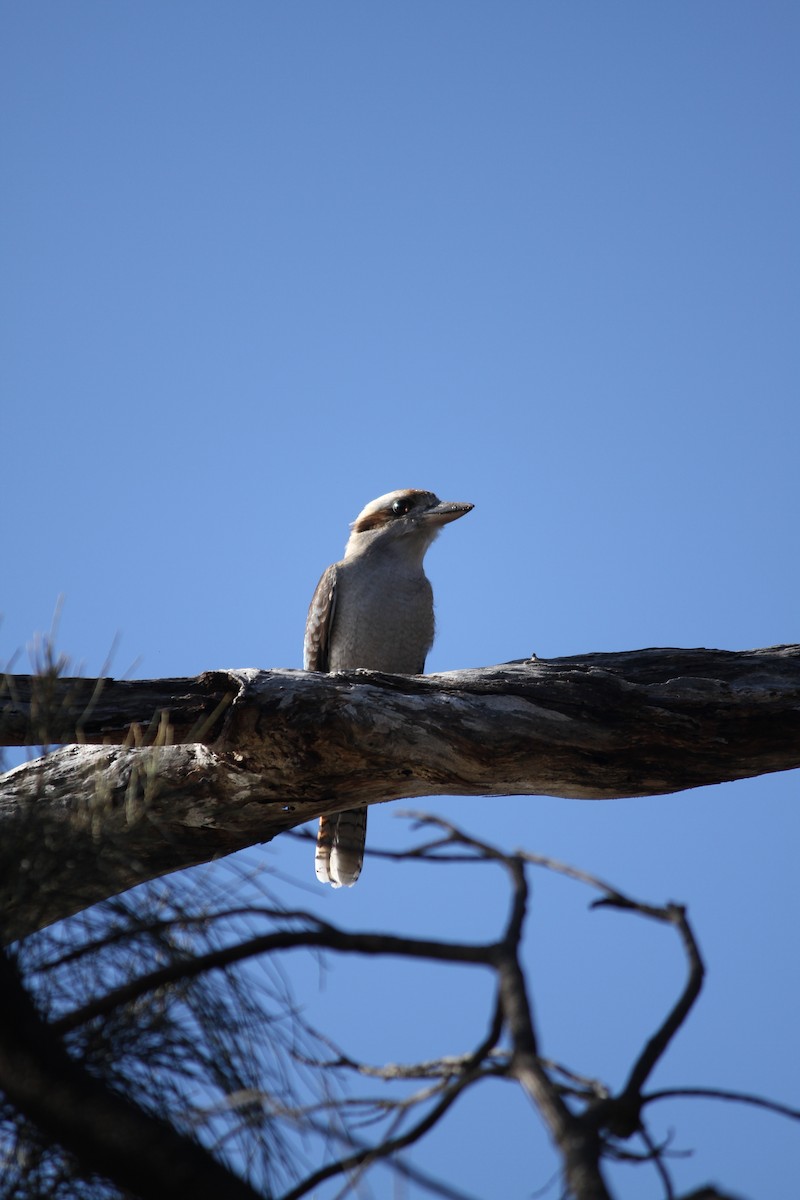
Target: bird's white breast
[383,619]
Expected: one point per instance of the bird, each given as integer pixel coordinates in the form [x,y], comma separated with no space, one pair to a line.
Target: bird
[374,610]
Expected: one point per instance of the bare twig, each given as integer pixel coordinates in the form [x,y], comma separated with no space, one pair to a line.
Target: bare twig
[735,1097]
[392,1146]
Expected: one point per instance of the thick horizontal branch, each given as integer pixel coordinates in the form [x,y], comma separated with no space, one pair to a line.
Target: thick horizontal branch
[47,710]
[267,750]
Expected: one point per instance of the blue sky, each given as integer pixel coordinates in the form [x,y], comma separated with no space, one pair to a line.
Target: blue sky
[264,262]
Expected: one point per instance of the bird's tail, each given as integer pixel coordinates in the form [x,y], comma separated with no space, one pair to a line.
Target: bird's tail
[340,847]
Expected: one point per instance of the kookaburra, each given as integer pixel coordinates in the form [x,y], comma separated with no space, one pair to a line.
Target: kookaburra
[374,609]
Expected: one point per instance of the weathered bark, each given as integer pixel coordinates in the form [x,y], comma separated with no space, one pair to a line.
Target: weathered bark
[267,750]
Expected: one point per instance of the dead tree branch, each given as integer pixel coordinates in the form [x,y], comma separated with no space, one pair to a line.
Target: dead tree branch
[588,1123]
[167,773]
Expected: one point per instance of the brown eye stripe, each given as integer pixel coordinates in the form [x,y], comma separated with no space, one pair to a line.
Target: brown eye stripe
[373,520]
[414,497]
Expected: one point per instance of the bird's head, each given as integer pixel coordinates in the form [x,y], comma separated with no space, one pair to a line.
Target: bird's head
[404,518]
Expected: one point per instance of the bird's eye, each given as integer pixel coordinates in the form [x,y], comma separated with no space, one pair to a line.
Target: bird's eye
[401,507]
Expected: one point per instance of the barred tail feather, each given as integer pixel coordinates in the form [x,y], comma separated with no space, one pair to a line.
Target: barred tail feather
[340,847]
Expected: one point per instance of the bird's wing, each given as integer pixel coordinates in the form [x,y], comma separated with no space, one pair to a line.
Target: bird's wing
[319,623]
[341,837]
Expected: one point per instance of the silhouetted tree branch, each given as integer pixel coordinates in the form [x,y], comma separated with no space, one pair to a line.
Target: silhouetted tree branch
[166,962]
[105,1132]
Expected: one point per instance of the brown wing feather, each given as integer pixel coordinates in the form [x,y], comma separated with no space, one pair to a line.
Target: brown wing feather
[342,836]
[319,623]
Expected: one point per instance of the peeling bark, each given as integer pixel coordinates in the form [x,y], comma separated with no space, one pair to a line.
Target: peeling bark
[175,772]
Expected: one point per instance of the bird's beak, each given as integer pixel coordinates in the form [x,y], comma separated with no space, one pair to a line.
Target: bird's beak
[446,511]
